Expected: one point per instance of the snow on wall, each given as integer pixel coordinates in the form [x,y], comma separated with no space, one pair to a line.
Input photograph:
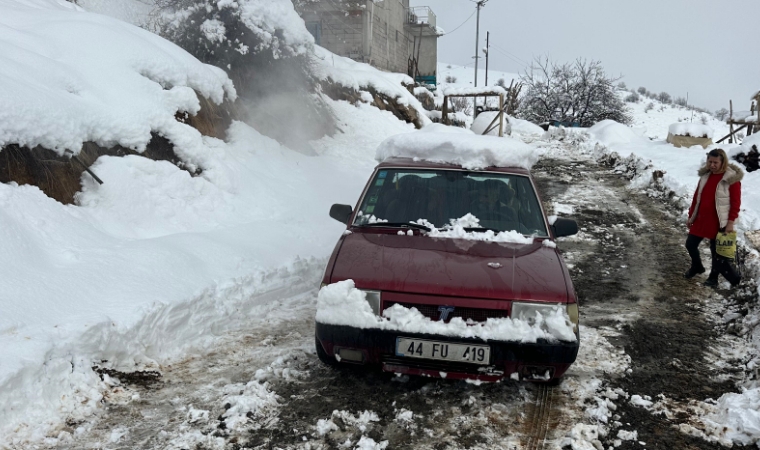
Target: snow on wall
[68,76]
[690,129]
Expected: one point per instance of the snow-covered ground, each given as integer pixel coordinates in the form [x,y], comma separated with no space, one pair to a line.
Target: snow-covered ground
[463,76]
[155,264]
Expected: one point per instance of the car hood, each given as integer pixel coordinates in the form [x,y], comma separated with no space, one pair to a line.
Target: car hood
[451,267]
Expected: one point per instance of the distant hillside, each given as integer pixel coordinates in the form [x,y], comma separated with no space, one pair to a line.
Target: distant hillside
[464,75]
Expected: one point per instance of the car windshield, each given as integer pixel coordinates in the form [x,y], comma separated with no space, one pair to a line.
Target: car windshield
[501,202]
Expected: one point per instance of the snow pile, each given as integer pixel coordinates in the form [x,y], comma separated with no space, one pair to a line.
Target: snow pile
[737,417]
[610,132]
[486,118]
[247,401]
[342,304]
[467,150]
[520,127]
[690,129]
[456,230]
[63,83]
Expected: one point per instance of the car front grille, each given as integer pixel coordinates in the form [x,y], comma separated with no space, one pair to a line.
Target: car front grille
[442,366]
[475,314]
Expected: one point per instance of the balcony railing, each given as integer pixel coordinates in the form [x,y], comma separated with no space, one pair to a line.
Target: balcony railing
[420,15]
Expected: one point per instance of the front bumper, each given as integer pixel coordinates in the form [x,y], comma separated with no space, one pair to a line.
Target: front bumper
[530,361]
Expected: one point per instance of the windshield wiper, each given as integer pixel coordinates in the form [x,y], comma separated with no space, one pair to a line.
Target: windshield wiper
[395,225]
[481,229]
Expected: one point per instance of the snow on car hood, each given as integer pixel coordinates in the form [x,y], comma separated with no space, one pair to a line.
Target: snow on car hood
[451,267]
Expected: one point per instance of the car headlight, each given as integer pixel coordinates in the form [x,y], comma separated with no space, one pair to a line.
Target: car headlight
[373,298]
[528,311]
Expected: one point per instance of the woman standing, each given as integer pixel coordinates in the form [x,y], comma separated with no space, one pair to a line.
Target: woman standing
[714,208]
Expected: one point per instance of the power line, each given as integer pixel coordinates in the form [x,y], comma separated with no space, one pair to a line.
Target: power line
[460,26]
[510,53]
[510,57]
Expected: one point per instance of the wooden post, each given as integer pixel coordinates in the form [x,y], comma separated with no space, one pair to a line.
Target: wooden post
[730,121]
[752,112]
[501,115]
[445,111]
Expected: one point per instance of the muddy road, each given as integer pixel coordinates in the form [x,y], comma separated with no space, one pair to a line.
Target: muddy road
[651,349]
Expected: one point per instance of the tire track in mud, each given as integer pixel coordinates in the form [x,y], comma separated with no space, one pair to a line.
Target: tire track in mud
[540,418]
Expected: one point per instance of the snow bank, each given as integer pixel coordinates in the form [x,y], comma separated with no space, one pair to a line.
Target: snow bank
[610,132]
[690,129]
[63,81]
[342,304]
[461,148]
[156,263]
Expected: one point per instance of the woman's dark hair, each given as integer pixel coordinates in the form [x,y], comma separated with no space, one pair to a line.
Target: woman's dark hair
[716,153]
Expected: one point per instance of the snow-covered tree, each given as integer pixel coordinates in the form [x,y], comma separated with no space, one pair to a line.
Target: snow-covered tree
[579,92]
[642,90]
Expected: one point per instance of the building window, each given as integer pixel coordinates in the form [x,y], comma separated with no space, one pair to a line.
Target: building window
[315,28]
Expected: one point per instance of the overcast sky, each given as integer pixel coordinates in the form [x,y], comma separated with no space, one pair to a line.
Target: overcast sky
[705,47]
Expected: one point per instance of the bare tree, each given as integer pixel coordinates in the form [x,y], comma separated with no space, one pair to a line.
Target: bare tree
[579,92]
[664,97]
[721,114]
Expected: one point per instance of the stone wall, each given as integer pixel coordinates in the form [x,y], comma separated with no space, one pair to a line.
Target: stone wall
[362,30]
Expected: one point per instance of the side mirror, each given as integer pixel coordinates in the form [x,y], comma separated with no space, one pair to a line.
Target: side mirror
[564,227]
[341,213]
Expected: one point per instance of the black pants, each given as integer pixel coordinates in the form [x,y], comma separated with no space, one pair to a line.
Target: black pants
[719,265]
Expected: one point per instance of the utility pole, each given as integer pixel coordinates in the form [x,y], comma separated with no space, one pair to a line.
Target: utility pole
[488,36]
[480,4]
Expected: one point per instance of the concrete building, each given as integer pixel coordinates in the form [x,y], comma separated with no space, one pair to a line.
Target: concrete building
[386,34]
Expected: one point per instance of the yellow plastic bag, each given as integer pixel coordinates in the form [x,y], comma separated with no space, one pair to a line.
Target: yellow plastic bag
[725,244]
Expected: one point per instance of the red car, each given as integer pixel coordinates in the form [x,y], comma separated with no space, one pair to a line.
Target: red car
[460,272]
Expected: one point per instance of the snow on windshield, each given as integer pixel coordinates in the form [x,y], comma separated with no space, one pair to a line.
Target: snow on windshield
[448,201]
[342,304]
[464,149]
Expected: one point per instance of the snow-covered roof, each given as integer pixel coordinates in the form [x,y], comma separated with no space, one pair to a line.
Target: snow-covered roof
[451,145]
[743,116]
[690,129]
[453,90]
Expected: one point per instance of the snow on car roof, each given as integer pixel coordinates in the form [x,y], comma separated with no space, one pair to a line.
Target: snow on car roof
[442,144]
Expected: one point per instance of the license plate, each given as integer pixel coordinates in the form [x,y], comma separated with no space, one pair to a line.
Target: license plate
[445,351]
